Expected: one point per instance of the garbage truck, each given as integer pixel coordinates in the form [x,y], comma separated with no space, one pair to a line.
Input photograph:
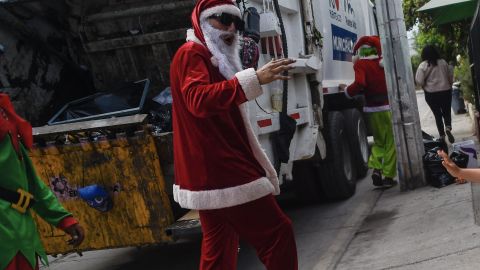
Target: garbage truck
[113,167]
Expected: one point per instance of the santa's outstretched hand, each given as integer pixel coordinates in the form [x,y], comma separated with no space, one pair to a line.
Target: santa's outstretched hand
[274,70]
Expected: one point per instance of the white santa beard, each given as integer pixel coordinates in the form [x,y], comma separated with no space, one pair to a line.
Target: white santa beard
[226,56]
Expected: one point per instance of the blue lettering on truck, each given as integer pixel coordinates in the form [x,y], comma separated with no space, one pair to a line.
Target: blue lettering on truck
[343,43]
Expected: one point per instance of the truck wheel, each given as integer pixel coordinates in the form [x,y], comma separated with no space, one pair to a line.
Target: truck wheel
[306,180]
[339,170]
[357,137]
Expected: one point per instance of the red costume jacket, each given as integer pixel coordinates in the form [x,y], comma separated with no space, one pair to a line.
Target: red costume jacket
[218,160]
[370,81]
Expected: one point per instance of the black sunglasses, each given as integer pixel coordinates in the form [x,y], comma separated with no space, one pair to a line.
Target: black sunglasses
[227,19]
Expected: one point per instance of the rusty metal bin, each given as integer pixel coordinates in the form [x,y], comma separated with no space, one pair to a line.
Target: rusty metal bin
[127,167]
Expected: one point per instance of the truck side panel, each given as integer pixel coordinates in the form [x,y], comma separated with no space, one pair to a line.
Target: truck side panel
[342,23]
[264,116]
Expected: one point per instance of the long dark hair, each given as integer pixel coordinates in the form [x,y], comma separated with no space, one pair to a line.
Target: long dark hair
[430,54]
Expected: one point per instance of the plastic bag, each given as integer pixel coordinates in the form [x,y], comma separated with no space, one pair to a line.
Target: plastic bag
[165,97]
[460,159]
[430,142]
[436,174]
[161,112]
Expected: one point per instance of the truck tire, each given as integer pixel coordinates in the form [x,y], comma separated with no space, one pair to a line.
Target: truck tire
[306,181]
[357,137]
[339,170]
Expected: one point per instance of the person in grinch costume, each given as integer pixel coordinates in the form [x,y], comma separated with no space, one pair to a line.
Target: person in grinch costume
[220,168]
[21,190]
[370,81]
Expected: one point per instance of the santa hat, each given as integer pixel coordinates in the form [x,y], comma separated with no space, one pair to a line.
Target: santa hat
[206,8]
[369,42]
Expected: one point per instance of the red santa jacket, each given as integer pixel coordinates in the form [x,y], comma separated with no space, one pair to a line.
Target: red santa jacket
[218,160]
[370,80]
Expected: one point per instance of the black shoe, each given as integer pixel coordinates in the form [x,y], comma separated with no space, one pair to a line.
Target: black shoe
[451,139]
[389,182]
[377,178]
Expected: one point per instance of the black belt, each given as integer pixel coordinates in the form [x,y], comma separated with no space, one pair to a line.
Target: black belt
[377,98]
[21,200]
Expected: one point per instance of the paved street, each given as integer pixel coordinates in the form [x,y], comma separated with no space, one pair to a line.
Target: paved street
[424,229]
[324,231]
[461,124]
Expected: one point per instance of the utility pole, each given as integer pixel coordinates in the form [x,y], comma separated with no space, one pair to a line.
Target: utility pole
[401,94]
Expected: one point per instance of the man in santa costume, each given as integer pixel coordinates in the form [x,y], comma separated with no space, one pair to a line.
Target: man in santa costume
[370,81]
[220,167]
[21,190]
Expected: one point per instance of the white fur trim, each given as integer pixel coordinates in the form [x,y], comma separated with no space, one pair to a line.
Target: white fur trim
[258,151]
[355,58]
[377,109]
[249,81]
[221,198]
[381,63]
[370,57]
[230,9]
[231,196]
[365,46]
[191,36]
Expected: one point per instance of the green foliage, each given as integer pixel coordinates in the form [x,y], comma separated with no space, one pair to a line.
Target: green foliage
[412,17]
[450,39]
[317,37]
[462,73]
[430,37]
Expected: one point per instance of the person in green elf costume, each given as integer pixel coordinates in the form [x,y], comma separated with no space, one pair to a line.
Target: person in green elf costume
[21,190]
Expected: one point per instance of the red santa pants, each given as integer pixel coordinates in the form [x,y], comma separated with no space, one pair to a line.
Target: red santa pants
[261,223]
[19,262]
